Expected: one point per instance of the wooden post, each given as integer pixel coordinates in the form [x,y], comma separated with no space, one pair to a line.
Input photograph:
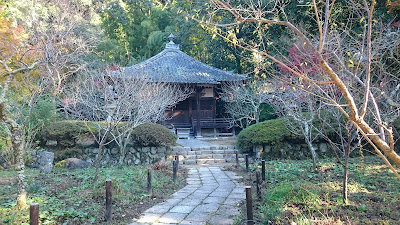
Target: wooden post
[198,124]
[177,159]
[249,206]
[108,200]
[149,182]
[263,169]
[258,184]
[34,214]
[174,170]
[247,163]
[237,158]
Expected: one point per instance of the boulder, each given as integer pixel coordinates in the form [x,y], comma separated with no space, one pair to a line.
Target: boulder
[114,151]
[75,163]
[323,147]
[44,161]
[51,143]
[85,141]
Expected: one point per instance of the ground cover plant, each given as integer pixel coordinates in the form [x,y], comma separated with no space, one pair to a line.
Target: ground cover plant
[70,197]
[296,194]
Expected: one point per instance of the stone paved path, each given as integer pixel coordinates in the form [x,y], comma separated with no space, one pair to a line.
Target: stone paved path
[211,197]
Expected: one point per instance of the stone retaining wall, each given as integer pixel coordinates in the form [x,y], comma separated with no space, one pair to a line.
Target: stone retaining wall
[287,150]
[87,149]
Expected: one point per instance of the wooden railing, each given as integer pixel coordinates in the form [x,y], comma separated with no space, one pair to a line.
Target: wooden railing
[214,123]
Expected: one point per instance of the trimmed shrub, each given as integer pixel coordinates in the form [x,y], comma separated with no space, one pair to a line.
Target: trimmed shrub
[153,135]
[65,132]
[270,132]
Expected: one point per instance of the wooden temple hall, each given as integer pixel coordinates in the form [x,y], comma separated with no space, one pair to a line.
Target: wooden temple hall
[197,115]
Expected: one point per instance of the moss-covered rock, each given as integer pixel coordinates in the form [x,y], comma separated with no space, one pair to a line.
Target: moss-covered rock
[66,132]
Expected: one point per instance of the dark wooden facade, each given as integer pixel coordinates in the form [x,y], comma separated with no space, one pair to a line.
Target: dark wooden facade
[199,110]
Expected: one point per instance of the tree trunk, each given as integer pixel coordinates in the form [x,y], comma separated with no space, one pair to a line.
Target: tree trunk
[18,146]
[307,132]
[124,142]
[313,153]
[97,161]
[346,175]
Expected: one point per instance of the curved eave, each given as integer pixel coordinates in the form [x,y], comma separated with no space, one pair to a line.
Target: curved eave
[174,66]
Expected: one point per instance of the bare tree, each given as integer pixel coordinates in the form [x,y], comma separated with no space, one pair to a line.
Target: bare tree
[343,57]
[29,54]
[299,108]
[90,98]
[343,139]
[244,101]
[116,105]
[145,101]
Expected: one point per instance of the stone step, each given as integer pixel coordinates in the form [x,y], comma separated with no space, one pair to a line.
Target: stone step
[208,161]
[204,152]
[218,156]
[188,157]
[189,161]
[205,156]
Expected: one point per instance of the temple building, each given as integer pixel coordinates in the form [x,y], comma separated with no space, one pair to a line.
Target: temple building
[197,113]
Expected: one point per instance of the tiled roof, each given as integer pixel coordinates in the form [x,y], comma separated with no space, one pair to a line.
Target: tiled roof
[174,66]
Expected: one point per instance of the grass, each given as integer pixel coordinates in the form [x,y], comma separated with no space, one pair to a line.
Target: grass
[70,197]
[295,194]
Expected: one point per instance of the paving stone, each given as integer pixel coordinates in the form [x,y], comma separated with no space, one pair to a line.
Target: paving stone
[233,201]
[172,201]
[181,194]
[172,217]
[211,197]
[215,200]
[228,210]
[182,208]
[164,223]
[221,220]
[191,201]
[207,208]
[219,194]
[136,223]
[187,222]
[198,216]
[148,218]
[159,209]
[237,195]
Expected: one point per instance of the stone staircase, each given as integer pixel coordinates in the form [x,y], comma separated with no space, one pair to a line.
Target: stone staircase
[206,155]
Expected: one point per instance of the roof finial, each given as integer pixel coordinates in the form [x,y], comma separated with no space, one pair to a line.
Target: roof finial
[171,43]
[171,38]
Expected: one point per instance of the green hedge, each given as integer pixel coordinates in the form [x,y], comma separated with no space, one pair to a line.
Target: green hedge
[65,132]
[270,132]
[154,135]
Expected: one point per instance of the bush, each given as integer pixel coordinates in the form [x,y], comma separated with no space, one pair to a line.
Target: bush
[65,132]
[154,135]
[270,132]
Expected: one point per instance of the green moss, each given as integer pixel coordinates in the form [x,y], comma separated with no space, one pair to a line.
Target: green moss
[64,153]
[62,164]
[65,132]
[150,134]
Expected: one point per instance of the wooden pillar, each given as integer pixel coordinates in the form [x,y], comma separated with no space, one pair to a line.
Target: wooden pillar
[191,109]
[214,112]
[214,104]
[198,128]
